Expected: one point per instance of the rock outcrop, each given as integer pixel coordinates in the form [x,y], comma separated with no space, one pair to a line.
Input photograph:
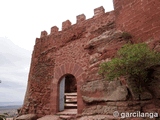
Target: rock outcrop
[27,117]
[102,90]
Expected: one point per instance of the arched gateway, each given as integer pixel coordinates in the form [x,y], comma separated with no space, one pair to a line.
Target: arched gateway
[66,88]
[67,92]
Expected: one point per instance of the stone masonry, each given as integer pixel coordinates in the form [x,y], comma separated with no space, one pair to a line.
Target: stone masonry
[78,50]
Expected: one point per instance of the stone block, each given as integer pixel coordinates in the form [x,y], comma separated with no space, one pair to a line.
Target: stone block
[66,24]
[99,11]
[81,18]
[44,33]
[54,29]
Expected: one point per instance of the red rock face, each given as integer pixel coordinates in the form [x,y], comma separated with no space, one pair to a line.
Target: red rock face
[78,50]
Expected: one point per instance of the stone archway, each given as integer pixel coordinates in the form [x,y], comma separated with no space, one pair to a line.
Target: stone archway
[67,92]
[60,72]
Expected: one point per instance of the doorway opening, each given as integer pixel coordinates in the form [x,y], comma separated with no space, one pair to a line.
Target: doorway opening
[68,93]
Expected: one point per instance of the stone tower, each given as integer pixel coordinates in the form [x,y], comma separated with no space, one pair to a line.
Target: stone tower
[72,56]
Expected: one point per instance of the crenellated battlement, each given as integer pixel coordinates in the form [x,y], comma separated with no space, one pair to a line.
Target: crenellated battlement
[79,18]
[54,29]
[66,24]
[44,33]
[99,11]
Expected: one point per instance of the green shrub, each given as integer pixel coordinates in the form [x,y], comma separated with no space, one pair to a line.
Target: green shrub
[134,60]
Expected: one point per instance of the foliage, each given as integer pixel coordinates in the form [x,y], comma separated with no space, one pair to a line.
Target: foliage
[134,60]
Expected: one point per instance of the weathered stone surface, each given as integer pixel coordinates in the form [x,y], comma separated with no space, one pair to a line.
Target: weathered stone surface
[108,108]
[98,117]
[99,109]
[27,117]
[119,94]
[49,117]
[105,45]
[103,91]
[106,38]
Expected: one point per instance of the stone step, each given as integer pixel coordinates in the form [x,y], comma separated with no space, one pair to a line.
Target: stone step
[71,97]
[71,94]
[71,100]
[70,106]
[68,112]
[66,117]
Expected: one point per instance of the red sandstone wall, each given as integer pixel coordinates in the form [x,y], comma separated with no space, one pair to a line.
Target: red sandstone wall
[139,17]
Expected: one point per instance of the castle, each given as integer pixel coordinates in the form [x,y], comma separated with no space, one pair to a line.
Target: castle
[67,61]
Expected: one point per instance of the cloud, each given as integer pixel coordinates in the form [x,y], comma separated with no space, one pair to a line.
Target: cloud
[14,69]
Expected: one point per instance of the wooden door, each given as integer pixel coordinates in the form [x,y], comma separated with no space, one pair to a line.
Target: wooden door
[61,94]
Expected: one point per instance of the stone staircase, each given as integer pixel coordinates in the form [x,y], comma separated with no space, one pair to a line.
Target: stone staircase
[70,100]
[70,110]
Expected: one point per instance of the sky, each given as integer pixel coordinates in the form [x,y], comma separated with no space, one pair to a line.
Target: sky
[21,22]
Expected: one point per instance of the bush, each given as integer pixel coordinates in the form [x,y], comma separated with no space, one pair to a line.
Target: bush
[134,60]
